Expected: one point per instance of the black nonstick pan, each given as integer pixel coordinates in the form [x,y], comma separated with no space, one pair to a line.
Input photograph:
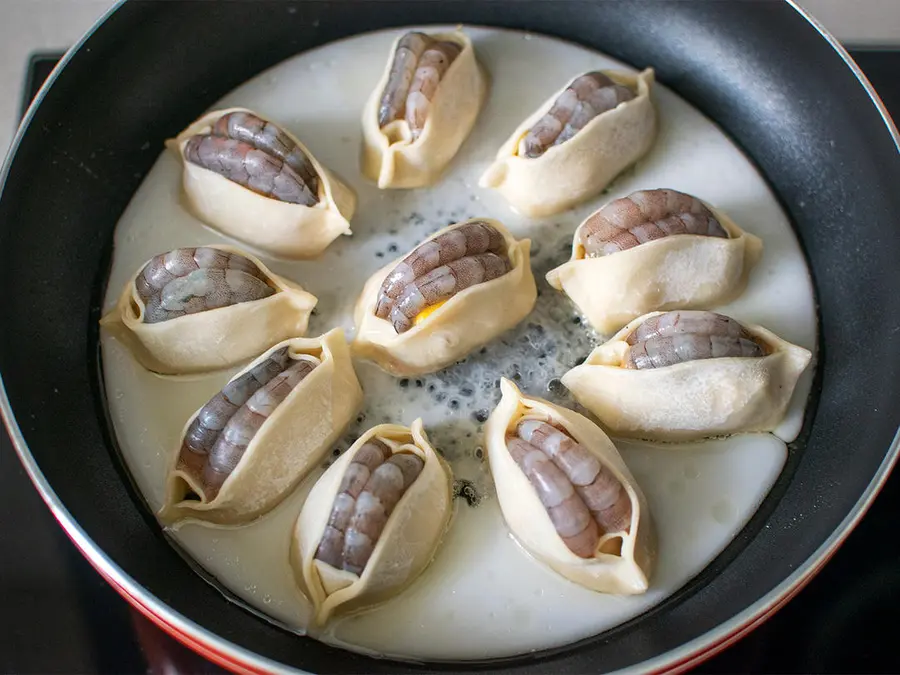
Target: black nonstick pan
[783,89]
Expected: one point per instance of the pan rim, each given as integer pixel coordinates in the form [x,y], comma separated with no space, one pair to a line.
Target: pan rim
[240,659]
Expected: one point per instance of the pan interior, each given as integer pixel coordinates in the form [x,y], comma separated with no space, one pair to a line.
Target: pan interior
[483,597]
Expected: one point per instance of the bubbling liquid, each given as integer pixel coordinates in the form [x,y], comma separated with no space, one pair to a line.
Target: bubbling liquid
[483,596]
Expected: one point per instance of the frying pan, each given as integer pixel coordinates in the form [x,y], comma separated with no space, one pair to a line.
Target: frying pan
[783,89]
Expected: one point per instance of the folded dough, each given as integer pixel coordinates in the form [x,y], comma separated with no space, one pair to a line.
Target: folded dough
[291,441]
[406,545]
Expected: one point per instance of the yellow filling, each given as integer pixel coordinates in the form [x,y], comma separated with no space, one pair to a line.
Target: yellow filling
[428,311]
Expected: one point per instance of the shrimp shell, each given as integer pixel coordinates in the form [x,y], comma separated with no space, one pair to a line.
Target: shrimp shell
[443,283]
[469,238]
[679,336]
[406,56]
[250,167]
[586,97]
[190,280]
[646,215]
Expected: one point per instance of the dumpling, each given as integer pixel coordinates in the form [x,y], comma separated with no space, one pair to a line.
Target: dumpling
[193,310]
[654,250]
[688,375]
[567,496]
[244,451]
[422,109]
[252,180]
[373,521]
[458,290]
[576,143]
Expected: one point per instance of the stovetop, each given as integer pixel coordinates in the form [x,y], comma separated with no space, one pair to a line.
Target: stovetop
[58,615]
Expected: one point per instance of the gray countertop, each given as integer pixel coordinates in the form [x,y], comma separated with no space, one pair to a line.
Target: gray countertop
[38,25]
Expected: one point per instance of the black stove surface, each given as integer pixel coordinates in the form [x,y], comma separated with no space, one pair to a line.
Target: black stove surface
[58,615]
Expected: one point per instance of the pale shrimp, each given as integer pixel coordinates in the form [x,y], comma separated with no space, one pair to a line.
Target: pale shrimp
[468,239]
[676,337]
[586,97]
[266,136]
[374,483]
[644,216]
[189,280]
[443,283]
[225,426]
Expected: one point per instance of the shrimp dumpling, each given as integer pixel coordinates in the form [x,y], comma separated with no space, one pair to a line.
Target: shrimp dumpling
[567,496]
[372,522]
[570,149]
[193,310]
[455,292]
[422,109]
[254,181]
[253,442]
[654,250]
[688,374]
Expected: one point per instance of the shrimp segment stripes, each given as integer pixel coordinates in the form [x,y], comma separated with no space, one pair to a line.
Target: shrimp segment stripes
[370,489]
[469,240]
[190,280]
[583,498]
[586,97]
[420,63]
[688,335]
[257,155]
[644,216]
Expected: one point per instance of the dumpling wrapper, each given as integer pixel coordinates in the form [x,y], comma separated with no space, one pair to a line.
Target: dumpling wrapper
[407,544]
[464,323]
[280,229]
[405,163]
[213,339]
[581,167]
[627,573]
[682,271]
[691,400]
[292,441]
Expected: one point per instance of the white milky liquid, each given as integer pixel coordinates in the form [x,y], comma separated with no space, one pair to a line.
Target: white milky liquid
[482,596]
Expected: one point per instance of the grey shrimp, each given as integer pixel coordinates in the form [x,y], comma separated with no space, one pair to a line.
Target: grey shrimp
[212,418]
[257,155]
[248,128]
[679,336]
[435,61]
[372,486]
[190,280]
[225,426]
[585,98]
[418,67]
[406,56]
[603,494]
[644,216]
[443,283]
[468,239]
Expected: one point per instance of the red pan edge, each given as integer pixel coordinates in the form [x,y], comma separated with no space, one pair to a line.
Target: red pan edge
[233,662]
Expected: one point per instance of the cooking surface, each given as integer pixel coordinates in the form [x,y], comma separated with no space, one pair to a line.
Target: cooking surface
[839,623]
